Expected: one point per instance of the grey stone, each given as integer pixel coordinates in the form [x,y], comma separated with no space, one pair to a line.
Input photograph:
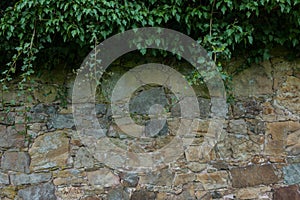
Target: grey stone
[117,194]
[61,121]
[156,127]
[159,177]
[12,136]
[101,109]
[83,159]
[141,103]
[103,178]
[44,191]
[4,178]
[129,179]
[238,126]
[15,161]
[292,174]
[41,113]
[22,179]
[49,150]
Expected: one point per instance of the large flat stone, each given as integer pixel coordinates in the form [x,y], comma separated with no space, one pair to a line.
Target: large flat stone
[253,81]
[253,175]
[15,161]
[49,150]
[44,191]
[22,179]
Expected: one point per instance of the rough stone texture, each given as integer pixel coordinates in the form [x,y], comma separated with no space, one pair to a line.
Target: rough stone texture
[293,143]
[255,80]
[49,150]
[288,96]
[69,176]
[160,177]
[41,192]
[181,179]
[238,147]
[61,121]
[83,159]
[15,161]
[41,113]
[129,179]
[285,193]
[22,179]
[292,174]
[103,178]
[253,175]
[276,134]
[253,192]
[4,179]
[12,136]
[117,194]
[69,193]
[215,180]
[143,194]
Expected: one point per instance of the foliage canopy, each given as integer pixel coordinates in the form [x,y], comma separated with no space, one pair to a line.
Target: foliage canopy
[35,32]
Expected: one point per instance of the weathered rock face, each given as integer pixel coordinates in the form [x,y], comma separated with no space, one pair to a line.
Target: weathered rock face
[253,175]
[12,136]
[103,178]
[257,154]
[50,150]
[289,192]
[41,192]
[288,96]
[15,161]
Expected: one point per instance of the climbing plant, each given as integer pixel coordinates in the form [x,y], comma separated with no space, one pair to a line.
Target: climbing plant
[34,32]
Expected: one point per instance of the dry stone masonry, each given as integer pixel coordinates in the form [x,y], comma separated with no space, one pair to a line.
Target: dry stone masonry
[41,158]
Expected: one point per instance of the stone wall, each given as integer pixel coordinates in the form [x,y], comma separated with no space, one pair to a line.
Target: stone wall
[257,158]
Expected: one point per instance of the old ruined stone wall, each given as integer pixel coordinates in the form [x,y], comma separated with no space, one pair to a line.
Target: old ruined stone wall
[258,158]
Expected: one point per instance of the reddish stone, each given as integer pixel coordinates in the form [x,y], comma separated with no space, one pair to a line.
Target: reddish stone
[285,193]
[253,175]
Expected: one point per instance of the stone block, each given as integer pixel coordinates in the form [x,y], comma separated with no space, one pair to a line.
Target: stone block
[4,180]
[252,192]
[292,174]
[181,179]
[103,178]
[23,179]
[49,150]
[44,191]
[215,180]
[253,175]
[163,177]
[12,136]
[253,81]
[288,192]
[69,177]
[15,161]
[276,135]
